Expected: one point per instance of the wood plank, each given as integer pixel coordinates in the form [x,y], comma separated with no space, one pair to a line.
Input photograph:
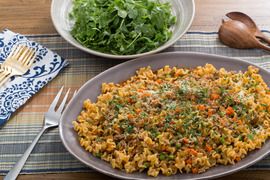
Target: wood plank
[33,17]
[26,16]
[210,12]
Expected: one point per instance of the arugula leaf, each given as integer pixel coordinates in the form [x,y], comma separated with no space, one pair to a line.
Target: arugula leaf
[121,26]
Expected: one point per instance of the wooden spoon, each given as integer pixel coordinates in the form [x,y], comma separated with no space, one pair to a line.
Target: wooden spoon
[237,35]
[249,23]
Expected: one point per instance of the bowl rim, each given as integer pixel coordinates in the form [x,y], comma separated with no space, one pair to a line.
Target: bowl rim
[131,63]
[112,56]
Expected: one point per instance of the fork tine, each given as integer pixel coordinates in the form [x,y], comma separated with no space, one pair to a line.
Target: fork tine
[54,103]
[18,53]
[27,57]
[23,54]
[29,60]
[13,51]
[75,92]
[62,105]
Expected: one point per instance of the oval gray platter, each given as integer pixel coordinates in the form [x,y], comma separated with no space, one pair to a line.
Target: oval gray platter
[122,72]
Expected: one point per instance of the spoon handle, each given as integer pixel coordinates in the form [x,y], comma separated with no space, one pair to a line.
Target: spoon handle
[262,46]
[263,37]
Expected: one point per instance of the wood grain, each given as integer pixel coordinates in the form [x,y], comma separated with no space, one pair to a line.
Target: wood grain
[26,16]
[210,12]
[33,17]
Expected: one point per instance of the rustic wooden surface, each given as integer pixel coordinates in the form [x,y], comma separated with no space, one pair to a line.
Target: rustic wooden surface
[33,17]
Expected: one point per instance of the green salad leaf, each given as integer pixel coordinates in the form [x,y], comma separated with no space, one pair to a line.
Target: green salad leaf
[121,27]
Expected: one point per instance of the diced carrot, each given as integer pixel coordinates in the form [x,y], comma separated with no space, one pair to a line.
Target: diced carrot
[185,140]
[146,94]
[208,148]
[229,110]
[130,116]
[140,90]
[214,96]
[201,107]
[195,170]
[177,110]
[188,161]
[138,111]
[159,81]
[223,122]
[193,152]
[178,73]
[210,112]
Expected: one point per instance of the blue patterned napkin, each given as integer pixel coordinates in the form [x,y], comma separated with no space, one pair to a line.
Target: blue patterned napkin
[20,88]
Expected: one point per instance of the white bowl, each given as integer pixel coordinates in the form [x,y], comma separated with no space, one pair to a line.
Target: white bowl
[184,10]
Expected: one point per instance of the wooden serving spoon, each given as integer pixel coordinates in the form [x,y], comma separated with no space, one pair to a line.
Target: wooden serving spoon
[237,35]
[239,16]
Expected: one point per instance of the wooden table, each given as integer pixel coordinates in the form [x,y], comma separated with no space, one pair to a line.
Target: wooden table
[33,17]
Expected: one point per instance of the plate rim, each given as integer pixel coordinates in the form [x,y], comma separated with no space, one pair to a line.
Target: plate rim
[112,56]
[147,57]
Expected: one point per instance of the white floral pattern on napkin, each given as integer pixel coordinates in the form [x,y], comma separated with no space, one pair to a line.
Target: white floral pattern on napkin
[20,88]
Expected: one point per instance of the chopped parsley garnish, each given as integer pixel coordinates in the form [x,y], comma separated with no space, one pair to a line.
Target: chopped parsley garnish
[130,128]
[162,156]
[250,136]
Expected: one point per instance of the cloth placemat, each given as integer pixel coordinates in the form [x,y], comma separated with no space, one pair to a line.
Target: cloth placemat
[50,155]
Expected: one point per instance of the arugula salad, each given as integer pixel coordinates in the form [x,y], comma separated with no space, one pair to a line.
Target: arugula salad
[121,27]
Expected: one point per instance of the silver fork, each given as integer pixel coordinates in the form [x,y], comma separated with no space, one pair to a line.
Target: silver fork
[51,120]
[17,63]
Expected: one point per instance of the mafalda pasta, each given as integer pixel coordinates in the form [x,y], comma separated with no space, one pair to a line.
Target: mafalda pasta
[177,119]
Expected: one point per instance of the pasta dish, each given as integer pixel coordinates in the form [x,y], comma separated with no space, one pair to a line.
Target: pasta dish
[177,119]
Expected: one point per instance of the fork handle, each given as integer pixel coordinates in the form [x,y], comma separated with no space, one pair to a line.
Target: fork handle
[5,79]
[14,172]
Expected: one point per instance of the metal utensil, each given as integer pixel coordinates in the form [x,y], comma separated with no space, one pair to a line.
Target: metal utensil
[17,63]
[51,120]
